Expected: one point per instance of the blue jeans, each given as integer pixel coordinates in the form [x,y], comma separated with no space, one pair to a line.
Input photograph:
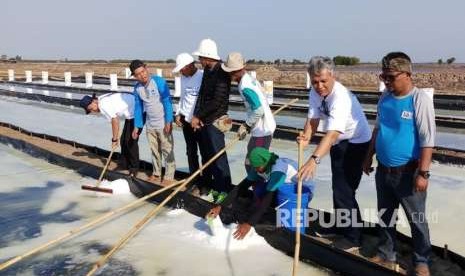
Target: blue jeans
[394,189]
[211,142]
[346,169]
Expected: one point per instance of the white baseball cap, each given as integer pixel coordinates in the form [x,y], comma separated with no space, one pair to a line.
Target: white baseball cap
[182,60]
[208,49]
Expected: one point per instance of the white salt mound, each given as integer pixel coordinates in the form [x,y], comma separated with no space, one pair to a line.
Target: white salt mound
[119,186]
[219,236]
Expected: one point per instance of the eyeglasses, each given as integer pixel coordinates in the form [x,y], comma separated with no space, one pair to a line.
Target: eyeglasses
[324,107]
[389,77]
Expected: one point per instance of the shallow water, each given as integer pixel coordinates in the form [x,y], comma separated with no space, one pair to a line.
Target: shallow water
[41,201]
[445,197]
[446,136]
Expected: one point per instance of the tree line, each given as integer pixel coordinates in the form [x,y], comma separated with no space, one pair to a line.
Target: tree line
[448,61]
[338,60]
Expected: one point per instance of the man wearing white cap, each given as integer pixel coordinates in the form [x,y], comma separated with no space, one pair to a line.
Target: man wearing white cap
[191,79]
[210,115]
[259,121]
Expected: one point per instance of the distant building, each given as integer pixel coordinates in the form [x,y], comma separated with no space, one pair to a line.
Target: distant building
[3,57]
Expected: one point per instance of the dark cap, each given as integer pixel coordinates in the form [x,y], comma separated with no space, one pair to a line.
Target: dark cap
[135,64]
[397,61]
[85,101]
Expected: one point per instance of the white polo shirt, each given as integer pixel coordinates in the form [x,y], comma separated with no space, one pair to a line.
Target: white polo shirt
[117,105]
[190,87]
[345,114]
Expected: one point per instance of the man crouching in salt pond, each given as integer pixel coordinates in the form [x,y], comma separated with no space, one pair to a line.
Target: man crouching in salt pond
[269,173]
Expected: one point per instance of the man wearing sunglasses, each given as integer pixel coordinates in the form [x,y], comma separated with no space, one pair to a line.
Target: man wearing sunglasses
[347,135]
[403,140]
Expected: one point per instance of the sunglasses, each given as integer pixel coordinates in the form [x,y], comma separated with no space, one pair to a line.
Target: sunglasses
[390,77]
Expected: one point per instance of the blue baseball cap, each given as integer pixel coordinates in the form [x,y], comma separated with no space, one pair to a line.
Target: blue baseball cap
[135,64]
[85,101]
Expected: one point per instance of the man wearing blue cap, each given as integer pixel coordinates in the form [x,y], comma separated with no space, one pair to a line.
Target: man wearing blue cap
[116,106]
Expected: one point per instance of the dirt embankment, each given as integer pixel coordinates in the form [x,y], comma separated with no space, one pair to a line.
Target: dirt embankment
[448,79]
[444,78]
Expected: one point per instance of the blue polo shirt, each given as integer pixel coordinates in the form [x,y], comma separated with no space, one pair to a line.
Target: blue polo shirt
[397,140]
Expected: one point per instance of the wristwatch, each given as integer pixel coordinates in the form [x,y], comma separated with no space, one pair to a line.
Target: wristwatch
[316,158]
[114,140]
[424,174]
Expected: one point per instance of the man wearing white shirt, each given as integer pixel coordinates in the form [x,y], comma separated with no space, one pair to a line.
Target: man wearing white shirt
[191,79]
[116,106]
[347,136]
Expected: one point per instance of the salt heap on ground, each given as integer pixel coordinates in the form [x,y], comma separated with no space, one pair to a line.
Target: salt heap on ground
[119,186]
[219,236]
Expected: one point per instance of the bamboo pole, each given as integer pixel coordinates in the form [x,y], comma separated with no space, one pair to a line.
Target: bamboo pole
[106,166]
[298,212]
[135,229]
[85,226]
[154,212]
[285,106]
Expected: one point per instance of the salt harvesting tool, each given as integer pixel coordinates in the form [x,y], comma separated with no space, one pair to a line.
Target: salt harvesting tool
[156,210]
[96,188]
[87,226]
[298,211]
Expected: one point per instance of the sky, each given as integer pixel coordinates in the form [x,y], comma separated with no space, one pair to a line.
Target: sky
[259,29]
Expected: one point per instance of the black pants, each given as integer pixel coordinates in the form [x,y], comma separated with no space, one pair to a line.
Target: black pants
[129,148]
[218,174]
[192,147]
[346,168]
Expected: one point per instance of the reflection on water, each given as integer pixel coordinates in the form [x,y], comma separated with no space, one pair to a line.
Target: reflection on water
[47,202]
[20,223]
[164,247]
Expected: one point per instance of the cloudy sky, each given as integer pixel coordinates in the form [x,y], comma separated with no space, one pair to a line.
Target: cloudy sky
[85,29]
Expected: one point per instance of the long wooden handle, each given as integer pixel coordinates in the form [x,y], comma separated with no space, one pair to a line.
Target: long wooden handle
[285,106]
[298,211]
[157,209]
[154,212]
[105,167]
[79,229]
[109,214]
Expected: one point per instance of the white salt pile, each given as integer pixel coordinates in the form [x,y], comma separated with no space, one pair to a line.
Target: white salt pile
[215,234]
[119,186]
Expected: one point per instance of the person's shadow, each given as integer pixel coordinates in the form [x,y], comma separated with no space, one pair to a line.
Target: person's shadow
[21,217]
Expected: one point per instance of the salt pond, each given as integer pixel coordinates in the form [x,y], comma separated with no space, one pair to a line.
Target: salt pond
[41,201]
[445,204]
